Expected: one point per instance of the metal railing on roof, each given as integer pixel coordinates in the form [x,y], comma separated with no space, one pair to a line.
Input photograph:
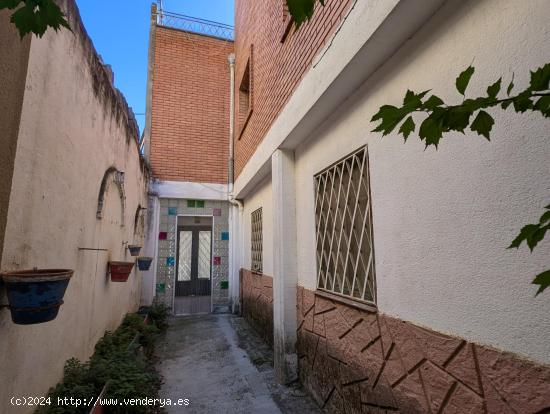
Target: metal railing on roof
[195,25]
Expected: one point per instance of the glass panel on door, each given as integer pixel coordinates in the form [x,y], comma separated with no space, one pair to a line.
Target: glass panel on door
[185,255]
[205,247]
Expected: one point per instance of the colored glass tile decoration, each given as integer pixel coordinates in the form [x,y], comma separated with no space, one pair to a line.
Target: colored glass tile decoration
[163,235]
[217,260]
[172,211]
[161,287]
[225,235]
[217,212]
[224,284]
[199,203]
[190,203]
[170,261]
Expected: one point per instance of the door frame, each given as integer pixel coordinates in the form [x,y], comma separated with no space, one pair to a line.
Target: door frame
[211,259]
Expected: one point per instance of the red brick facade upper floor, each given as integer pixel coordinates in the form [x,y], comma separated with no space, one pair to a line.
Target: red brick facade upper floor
[271,59]
[189,138]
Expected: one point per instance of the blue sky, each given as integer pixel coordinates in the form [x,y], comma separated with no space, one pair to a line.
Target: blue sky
[120,32]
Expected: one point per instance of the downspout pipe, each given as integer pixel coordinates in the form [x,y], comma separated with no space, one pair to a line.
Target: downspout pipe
[231,172]
[235,245]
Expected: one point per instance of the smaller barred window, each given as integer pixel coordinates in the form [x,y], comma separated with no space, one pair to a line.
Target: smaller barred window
[257,240]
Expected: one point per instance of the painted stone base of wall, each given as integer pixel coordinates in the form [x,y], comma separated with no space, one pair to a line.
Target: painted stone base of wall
[257,302]
[356,361]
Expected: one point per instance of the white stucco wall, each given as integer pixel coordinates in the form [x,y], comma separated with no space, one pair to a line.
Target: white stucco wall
[261,196]
[443,219]
[67,140]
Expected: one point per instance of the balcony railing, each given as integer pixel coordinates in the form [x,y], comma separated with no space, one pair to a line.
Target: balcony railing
[195,25]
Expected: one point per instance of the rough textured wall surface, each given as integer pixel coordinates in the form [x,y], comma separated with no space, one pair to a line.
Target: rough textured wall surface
[170,209]
[276,67]
[257,302]
[443,219]
[190,107]
[355,361]
[74,126]
[13,72]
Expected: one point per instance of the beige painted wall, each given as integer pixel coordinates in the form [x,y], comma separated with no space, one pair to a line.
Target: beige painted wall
[261,196]
[443,219]
[13,71]
[73,127]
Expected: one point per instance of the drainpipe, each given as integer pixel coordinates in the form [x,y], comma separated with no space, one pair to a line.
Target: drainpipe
[231,177]
[236,213]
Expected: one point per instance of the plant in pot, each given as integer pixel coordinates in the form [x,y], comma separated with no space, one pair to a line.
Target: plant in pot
[120,271]
[144,263]
[134,249]
[35,295]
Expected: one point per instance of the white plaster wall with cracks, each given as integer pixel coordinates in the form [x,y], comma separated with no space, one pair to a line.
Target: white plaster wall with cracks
[74,126]
[442,219]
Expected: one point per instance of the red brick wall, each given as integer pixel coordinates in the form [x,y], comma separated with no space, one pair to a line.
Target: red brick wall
[257,302]
[277,67]
[356,361]
[190,108]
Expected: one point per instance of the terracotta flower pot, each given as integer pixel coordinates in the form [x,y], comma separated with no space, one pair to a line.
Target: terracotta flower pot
[35,295]
[134,249]
[144,263]
[120,271]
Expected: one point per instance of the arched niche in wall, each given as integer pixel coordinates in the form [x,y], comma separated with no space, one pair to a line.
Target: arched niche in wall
[139,221]
[112,175]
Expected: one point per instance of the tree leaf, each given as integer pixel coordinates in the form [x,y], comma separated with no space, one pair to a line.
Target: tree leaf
[390,116]
[545,217]
[522,102]
[301,10]
[494,89]
[543,105]
[458,118]
[483,124]
[540,78]
[543,280]
[510,86]
[463,79]
[506,104]
[10,4]
[35,16]
[432,102]
[408,127]
[524,233]
[534,238]
[413,101]
[431,130]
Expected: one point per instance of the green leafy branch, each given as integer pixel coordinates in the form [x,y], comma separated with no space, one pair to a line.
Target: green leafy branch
[35,16]
[302,10]
[472,113]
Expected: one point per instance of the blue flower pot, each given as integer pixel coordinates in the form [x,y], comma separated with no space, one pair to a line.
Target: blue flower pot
[35,296]
[144,263]
[134,249]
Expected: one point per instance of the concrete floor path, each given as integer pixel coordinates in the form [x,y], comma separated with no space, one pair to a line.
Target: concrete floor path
[221,365]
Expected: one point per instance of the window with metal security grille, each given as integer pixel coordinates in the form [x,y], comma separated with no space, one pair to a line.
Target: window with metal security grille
[245,96]
[256,240]
[343,225]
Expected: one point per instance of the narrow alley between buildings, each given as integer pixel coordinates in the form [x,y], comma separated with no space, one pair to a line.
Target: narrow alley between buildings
[221,365]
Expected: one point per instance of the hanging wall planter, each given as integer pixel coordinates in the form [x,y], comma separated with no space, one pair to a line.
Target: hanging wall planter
[35,295]
[120,271]
[144,263]
[134,249]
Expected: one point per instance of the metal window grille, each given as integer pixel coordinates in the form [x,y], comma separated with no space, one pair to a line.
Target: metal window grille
[343,223]
[257,240]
